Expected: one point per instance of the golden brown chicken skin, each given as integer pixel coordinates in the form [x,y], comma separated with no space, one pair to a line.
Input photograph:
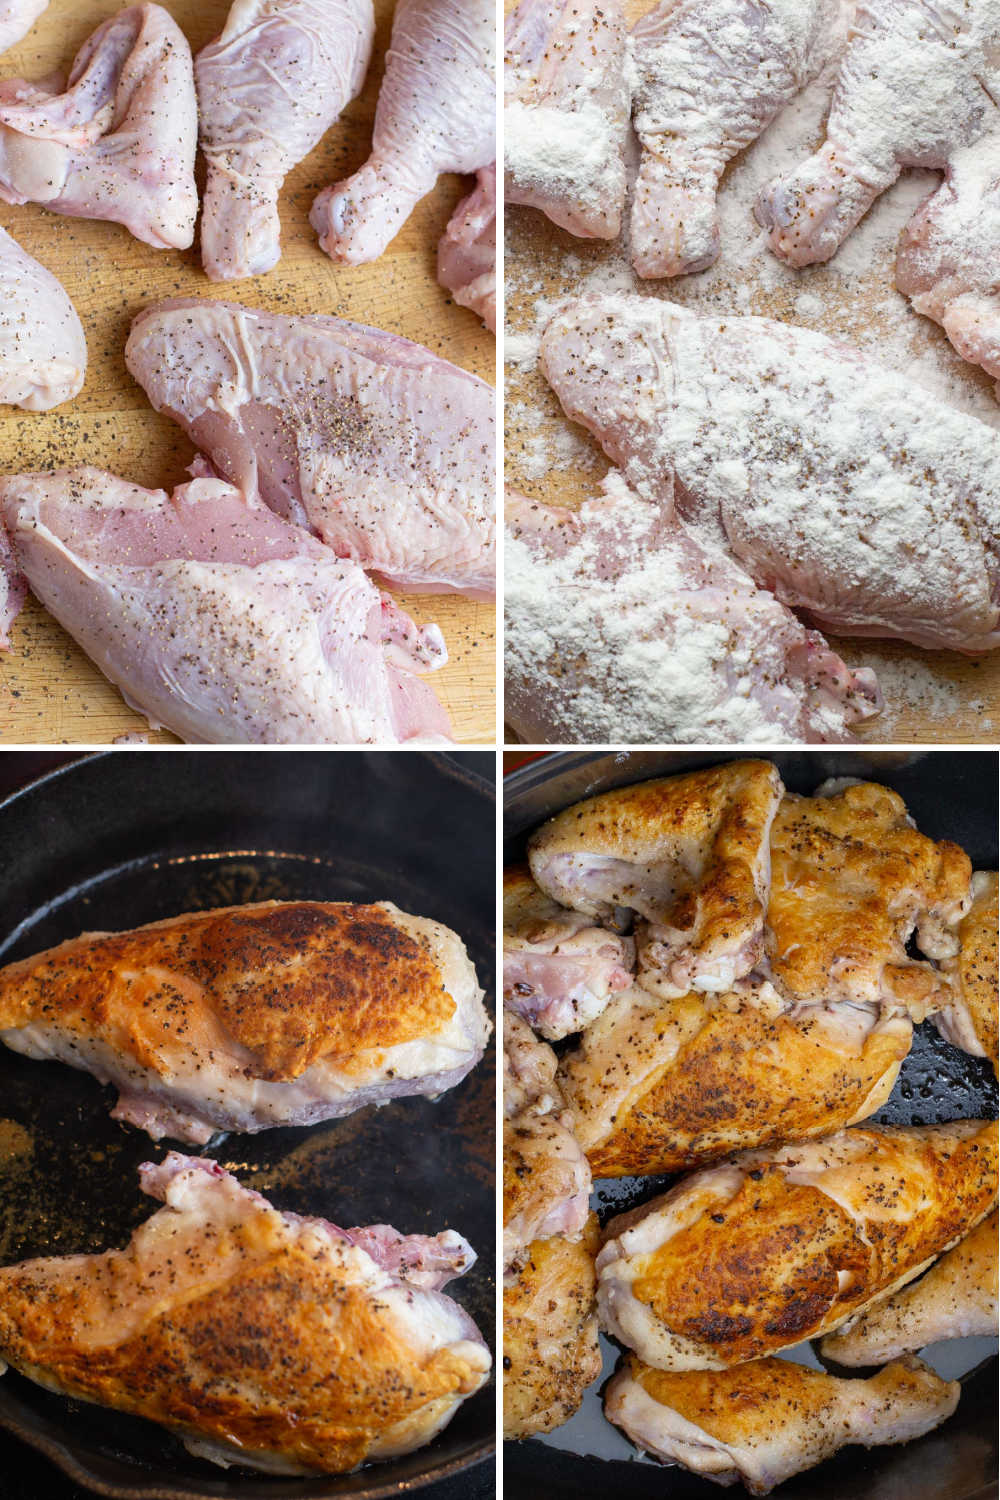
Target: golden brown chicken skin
[970,1019]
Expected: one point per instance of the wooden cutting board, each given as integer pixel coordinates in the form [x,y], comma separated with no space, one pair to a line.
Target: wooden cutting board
[50,693]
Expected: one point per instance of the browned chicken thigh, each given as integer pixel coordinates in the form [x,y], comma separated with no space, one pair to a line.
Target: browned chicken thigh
[969,1020]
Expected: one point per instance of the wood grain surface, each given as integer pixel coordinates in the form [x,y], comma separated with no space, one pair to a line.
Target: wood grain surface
[50,693]
[931,697]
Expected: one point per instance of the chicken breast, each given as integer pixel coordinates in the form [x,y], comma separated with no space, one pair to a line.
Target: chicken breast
[260,1338]
[281,1013]
[969,1019]
[688,853]
[955,1299]
[43,353]
[383,449]
[763,1422]
[751,1257]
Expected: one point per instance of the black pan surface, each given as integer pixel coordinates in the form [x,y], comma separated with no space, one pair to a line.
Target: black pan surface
[950,795]
[124,838]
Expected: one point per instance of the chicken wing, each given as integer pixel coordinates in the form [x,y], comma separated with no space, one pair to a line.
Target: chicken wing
[956,1298]
[260,1338]
[773,1247]
[17,18]
[43,353]
[467,251]
[281,1013]
[969,1019]
[763,1422]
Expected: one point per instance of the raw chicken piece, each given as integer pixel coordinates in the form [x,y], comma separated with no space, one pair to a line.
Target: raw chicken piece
[763,1422]
[17,18]
[436,113]
[845,488]
[559,969]
[917,82]
[120,142]
[955,1299]
[710,76]
[625,627]
[467,251]
[773,1247]
[13,590]
[268,89]
[218,619]
[43,353]
[259,1338]
[384,449]
[280,1013]
[969,1020]
[566,109]
[948,262]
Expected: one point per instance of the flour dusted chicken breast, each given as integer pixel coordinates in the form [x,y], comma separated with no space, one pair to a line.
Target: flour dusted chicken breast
[280,1013]
[259,1338]
[773,1247]
[765,1421]
[969,1019]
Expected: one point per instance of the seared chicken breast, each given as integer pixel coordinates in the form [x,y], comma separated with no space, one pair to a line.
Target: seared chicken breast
[970,1018]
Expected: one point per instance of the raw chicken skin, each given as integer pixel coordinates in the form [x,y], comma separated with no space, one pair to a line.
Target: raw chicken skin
[844,487]
[17,18]
[566,111]
[268,89]
[247,1017]
[467,251]
[667,641]
[218,619]
[710,76]
[920,79]
[259,1338]
[381,447]
[436,113]
[43,353]
[13,590]
[120,142]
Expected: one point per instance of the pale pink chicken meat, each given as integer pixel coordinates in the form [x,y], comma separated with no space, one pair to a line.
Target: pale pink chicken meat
[219,620]
[436,113]
[43,352]
[13,590]
[919,80]
[381,447]
[848,490]
[566,113]
[269,87]
[467,251]
[624,627]
[120,142]
[710,76]
[17,18]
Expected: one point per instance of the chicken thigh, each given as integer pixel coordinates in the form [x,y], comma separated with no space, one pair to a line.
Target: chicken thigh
[17,18]
[384,449]
[259,1338]
[43,353]
[969,1019]
[268,89]
[847,489]
[467,251]
[436,113]
[919,80]
[566,109]
[710,76]
[120,142]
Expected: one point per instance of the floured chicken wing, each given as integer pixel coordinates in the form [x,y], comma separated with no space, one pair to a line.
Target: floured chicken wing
[43,353]
[17,18]
[219,620]
[381,447]
[550,1349]
[969,1019]
[467,251]
[765,1421]
[851,882]
[845,488]
[559,970]
[281,1013]
[259,1338]
[120,142]
[751,1257]
[566,112]
[955,1299]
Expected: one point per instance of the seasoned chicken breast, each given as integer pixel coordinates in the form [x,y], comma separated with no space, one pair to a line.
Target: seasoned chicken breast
[969,1020]
[282,1013]
[260,1338]
[765,1421]
[773,1247]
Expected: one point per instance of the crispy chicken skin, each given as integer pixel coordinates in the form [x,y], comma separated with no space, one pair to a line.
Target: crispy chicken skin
[550,1349]
[245,1017]
[688,853]
[773,1247]
[956,1298]
[970,1019]
[663,1086]
[765,1421]
[260,1338]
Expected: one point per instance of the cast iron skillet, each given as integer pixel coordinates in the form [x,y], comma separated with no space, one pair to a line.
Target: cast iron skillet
[129,837]
[950,795]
